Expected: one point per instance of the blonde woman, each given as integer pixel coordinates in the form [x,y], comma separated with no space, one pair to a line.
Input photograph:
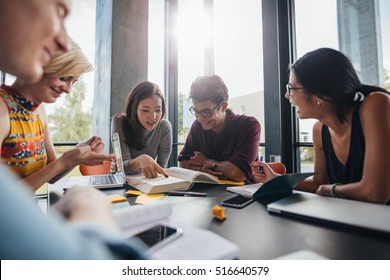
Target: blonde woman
[27,147]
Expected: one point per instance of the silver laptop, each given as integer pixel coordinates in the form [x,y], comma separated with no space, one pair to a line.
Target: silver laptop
[103,181]
[363,215]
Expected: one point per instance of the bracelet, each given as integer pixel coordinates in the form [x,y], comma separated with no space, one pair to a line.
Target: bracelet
[332,190]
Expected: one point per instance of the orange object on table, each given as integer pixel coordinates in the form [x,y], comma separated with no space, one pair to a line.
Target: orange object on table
[219,212]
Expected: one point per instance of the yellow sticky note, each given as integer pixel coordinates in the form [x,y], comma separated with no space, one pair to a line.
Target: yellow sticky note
[148,198]
[228,182]
[134,192]
[42,190]
[116,198]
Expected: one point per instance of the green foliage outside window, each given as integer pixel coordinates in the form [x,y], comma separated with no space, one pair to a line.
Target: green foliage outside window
[71,123]
[387,79]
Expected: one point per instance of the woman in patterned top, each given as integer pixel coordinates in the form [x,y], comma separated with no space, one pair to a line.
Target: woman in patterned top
[26,144]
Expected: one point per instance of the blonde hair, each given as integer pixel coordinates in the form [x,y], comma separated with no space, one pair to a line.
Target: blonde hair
[71,63]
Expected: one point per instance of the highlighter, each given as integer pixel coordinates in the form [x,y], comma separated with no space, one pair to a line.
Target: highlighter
[261,168]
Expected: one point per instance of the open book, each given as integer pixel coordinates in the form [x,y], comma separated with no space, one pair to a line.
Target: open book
[280,185]
[195,243]
[179,179]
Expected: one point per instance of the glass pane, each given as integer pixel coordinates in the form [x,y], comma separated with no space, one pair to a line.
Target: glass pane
[70,118]
[191,28]
[384,7]
[307,159]
[210,42]
[357,28]
[9,79]
[156,42]
[238,55]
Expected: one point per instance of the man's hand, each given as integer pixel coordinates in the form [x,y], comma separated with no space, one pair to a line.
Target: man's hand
[198,159]
[208,167]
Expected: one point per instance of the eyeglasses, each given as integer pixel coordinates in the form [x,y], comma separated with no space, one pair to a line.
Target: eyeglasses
[289,88]
[206,113]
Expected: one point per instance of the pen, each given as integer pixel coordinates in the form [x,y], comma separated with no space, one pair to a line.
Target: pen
[182,193]
[261,168]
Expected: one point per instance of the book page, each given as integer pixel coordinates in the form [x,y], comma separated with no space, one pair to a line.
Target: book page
[182,173]
[160,184]
[138,215]
[191,175]
[158,181]
[246,190]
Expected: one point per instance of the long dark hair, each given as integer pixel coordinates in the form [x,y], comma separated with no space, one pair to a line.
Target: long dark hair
[132,128]
[329,74]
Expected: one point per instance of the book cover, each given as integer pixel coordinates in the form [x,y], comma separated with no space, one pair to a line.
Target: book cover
[179,179]
[280,185]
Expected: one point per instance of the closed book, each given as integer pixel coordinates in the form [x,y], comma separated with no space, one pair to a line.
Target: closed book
[280,185]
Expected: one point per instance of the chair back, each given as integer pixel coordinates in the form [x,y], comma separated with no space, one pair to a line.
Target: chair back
[277,167]
[100,169]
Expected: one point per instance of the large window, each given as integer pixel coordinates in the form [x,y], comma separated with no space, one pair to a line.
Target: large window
[156,32]
[357,28]
[70,118]
[194,29]
[238,55]
[211,42]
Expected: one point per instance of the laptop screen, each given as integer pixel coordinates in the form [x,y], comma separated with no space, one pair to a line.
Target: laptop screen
[117,150]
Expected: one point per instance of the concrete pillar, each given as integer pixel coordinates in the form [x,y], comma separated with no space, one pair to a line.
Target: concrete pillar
[360,38]
[121,59]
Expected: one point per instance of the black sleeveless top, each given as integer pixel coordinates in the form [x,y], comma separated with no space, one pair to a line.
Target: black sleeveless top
[352,171]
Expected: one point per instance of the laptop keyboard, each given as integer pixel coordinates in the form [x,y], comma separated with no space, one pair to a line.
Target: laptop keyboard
[104,180]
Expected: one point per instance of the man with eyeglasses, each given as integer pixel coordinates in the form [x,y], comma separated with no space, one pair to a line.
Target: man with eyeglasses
[220,142]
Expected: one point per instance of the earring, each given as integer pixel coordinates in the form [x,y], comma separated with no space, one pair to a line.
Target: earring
[318,103]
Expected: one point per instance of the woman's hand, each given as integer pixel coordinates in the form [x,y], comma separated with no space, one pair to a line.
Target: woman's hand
[324,190]
[149,167]
[84,155]
[263,175]
[95,142]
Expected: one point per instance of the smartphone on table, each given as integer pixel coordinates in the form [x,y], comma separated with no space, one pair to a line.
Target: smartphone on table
[158,236]
[237,201]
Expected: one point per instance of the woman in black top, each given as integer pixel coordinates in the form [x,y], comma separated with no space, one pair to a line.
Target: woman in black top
[352,136]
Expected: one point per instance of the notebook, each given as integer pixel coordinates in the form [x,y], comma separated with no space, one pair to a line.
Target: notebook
[350,213]
[103,181]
